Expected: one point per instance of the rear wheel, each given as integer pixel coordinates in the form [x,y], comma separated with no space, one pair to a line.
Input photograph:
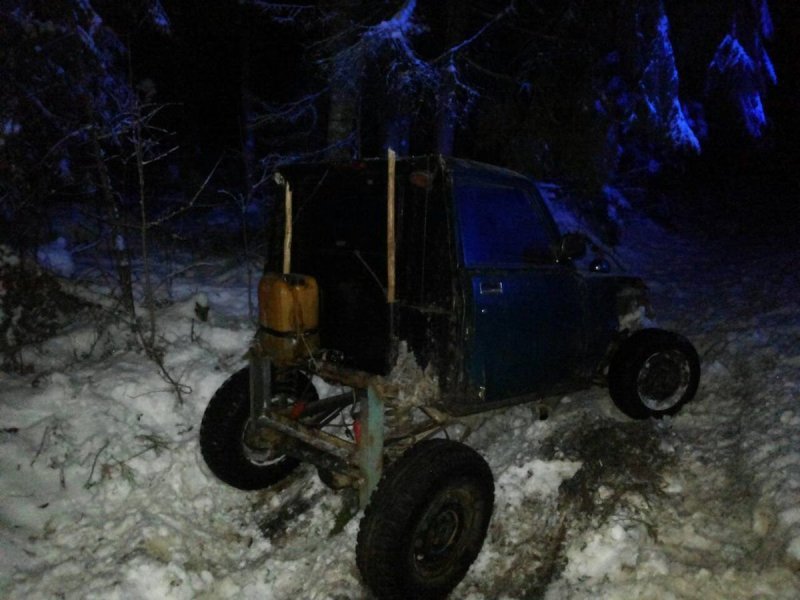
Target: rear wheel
[654,373]
[426,521]
[223,440]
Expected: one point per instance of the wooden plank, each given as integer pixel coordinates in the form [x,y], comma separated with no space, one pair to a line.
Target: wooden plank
[390,228]
[287,233]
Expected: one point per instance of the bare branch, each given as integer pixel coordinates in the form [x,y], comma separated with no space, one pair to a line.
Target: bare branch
[282,12]
[160,156]
[191,203]
[291,112]
[67,137]
[508,10]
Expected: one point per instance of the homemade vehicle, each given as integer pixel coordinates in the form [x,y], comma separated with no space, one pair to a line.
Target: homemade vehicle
[426,289]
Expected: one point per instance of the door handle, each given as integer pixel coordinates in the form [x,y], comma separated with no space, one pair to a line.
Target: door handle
[491,287]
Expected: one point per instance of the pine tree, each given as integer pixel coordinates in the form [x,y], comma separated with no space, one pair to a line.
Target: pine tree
[741,67]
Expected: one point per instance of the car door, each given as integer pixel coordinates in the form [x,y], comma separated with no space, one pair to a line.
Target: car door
[525,322]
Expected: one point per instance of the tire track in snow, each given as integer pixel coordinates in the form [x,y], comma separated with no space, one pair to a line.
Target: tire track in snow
[732,518]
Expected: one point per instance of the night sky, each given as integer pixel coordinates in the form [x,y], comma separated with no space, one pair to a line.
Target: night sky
[201,67]
[216,49]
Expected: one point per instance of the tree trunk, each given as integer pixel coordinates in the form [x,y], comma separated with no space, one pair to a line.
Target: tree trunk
[446,114]
[344,80]
[120,252]
[248,149]
[447,101]
[343,118]
[398,132]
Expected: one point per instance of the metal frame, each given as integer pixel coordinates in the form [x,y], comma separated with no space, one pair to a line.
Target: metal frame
[360,461]
[385,428]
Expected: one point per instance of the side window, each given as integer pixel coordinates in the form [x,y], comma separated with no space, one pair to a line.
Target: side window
[502,227]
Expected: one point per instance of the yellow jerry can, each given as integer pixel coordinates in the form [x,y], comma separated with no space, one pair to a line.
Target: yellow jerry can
[288,312]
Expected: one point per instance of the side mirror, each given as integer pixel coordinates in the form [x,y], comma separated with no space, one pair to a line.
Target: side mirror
[572,246]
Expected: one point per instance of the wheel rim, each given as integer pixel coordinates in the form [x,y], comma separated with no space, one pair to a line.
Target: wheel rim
[264,454]
[439,536]
[260,456]
[663,380]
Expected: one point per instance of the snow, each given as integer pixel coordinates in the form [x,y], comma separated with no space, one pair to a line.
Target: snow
[535,477]
[680,129]
[615,202]
[660,87]
[731,54]
[749,69]
[767,28]
[159,17]
[601,559]
[104,493]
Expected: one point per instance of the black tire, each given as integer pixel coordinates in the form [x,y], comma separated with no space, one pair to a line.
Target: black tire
[653,373]
[426,522]
[222,433]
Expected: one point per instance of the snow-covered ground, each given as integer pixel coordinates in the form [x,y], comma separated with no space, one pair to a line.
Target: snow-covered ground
[103,493]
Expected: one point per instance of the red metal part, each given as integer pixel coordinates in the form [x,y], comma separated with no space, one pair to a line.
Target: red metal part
[297,410]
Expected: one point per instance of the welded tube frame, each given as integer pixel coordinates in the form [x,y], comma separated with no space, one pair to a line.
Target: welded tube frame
[260,384]
[361,459]
[317,439]
[370,444]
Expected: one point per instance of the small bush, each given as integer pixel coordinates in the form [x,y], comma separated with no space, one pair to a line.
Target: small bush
[33,306]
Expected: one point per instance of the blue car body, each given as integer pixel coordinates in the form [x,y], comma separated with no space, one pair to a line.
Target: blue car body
[486,296]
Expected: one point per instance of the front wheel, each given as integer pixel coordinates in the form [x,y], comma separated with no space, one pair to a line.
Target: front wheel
[654,373]
[225,422]
[426,521]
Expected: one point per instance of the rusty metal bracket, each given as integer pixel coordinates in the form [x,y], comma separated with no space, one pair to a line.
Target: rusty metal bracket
[260,384]
[315,438]
[317,446]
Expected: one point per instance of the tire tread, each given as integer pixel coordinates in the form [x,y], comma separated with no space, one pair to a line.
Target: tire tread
[626,362]
[402,491]
[220,438]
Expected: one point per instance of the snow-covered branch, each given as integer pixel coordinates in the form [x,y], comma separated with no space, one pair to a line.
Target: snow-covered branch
[742,65]
[660,86]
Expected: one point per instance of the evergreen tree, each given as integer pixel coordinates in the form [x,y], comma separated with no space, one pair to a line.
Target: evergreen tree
[741,68]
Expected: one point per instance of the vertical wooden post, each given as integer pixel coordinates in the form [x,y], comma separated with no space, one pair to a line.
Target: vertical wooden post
[287,233]
[390,228]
